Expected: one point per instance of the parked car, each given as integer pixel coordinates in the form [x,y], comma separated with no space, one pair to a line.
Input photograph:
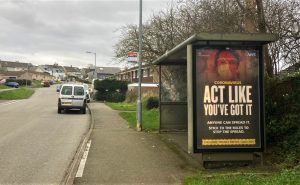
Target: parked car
[72,96]
[58,88]
[3,81]
[46,84]
[12,84]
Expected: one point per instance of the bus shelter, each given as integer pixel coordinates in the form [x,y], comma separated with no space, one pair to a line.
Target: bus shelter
[212,86]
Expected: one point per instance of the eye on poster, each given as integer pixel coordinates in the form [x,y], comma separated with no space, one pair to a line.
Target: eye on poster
[227,99]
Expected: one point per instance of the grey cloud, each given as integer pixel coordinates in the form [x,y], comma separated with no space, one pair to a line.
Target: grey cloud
[65,29]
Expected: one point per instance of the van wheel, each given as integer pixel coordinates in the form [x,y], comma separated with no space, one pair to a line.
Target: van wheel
[83,110]
[59,110]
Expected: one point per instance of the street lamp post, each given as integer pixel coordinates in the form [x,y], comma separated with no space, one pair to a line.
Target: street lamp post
[95,75]
[139,102]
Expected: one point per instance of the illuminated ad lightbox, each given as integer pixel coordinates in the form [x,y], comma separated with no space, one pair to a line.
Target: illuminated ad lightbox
[228,105]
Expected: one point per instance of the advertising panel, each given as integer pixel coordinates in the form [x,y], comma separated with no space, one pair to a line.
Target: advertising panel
[227,98]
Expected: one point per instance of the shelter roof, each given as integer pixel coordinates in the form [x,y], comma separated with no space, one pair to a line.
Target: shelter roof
[178,53]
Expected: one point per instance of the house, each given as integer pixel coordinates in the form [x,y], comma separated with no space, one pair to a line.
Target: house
[103,73]
[85,71]
[149,74]
[72,72]
[11,74]
[14,66]
[27,75]
[149,81]
[55,70]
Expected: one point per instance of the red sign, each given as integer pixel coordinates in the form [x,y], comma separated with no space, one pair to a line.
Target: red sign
[132,57]
[132,54]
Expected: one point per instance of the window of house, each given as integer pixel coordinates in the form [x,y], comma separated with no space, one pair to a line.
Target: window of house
[145,73]
[148,72]
[151,71]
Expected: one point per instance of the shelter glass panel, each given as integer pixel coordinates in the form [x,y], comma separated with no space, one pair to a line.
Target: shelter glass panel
[173,83]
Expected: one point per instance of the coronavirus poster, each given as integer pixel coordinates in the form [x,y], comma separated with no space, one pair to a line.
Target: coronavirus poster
[227,98]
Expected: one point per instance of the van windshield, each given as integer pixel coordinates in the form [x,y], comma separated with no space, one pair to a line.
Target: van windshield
[66,90]
[79,91]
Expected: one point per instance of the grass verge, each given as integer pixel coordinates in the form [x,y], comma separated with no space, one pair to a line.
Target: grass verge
[122,106]
[36,84]
[21,93]
[150,119]
[284,177]
[4,87]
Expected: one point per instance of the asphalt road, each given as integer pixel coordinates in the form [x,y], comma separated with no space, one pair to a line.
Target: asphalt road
[37,144]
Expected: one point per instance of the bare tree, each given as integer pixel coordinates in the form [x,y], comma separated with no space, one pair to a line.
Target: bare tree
[168,28]
[283,18]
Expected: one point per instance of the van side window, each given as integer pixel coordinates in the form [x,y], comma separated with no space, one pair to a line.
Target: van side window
[79,91]
[66,90]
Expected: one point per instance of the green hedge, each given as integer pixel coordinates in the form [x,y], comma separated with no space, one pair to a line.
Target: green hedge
[110,96]
[111,85]
[110,90]
[282,96]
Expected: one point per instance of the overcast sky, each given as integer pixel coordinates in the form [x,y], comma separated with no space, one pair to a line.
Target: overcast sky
[61,31]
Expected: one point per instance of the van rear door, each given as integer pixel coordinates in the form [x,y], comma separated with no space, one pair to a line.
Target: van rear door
[66,95]
[79,96]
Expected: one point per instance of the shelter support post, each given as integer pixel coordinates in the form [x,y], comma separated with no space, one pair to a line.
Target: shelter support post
[190,97]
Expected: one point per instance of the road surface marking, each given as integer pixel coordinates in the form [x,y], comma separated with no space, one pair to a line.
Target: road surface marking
[83,160]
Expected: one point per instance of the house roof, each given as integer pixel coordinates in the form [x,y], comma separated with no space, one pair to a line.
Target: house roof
[145,66]
[179,53]
[19,73]
[107,70]
[49,67]
[11,73]
[14,64]
[70,69]
[87,70]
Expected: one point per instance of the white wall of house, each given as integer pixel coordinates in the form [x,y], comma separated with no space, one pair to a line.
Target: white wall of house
[56,72]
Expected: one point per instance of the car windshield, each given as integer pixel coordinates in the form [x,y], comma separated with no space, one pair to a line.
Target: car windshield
[78,91]
[66,90]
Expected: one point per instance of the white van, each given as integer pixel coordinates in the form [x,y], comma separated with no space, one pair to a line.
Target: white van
[72,96]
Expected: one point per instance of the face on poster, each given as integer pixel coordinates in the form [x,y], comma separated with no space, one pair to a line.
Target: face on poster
[227,95]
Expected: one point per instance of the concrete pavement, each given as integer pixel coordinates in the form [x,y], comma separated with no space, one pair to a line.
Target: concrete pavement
[121,155]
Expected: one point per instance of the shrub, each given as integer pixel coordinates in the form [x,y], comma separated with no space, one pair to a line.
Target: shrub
[152,102]
[282,105]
